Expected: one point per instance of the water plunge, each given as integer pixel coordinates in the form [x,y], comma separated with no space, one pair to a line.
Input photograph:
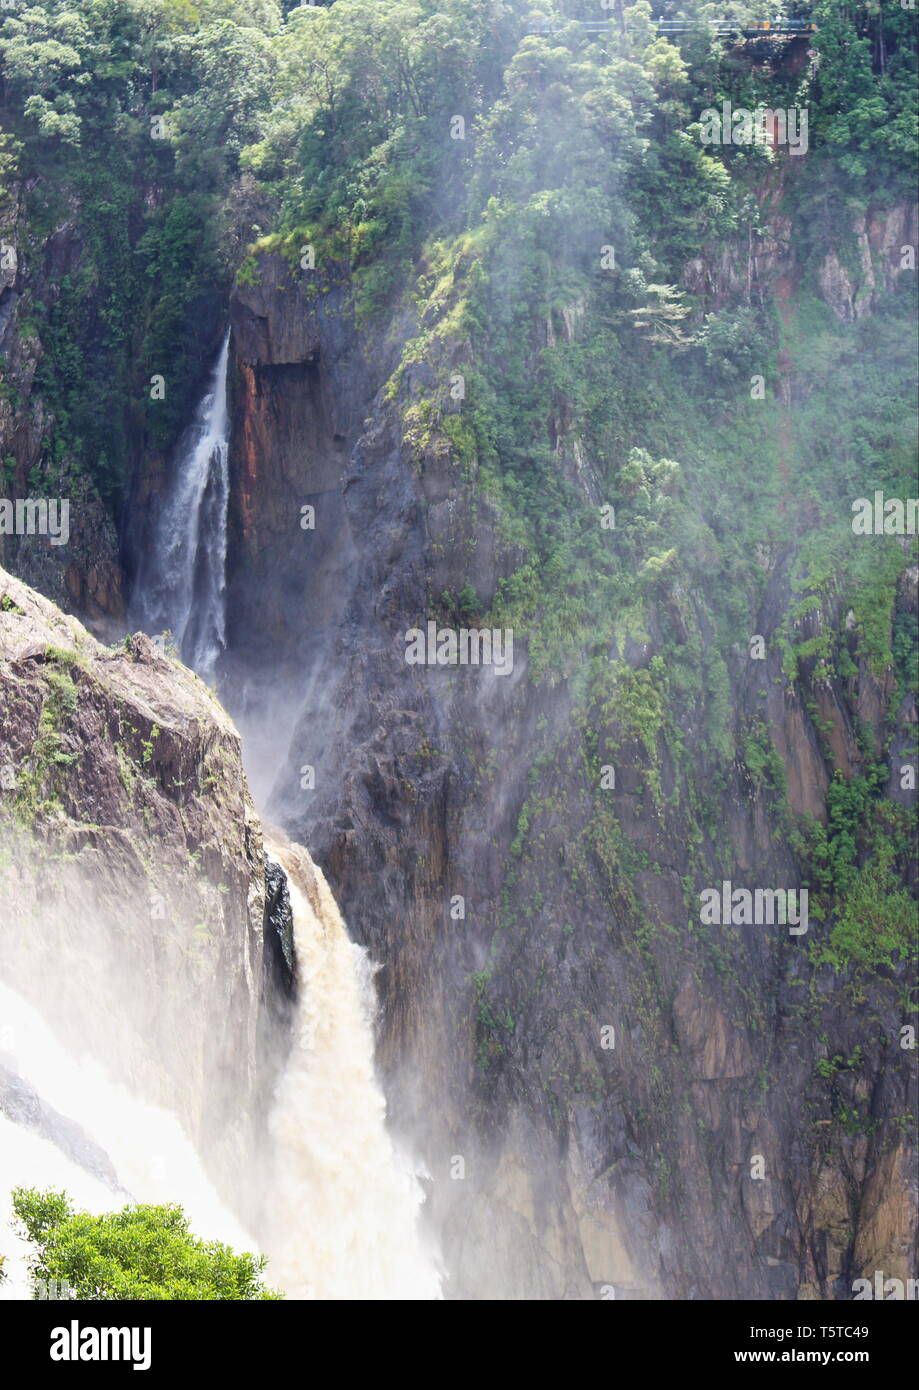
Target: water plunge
[340,1205]
[181,583]
[341,1220]
[357,1201]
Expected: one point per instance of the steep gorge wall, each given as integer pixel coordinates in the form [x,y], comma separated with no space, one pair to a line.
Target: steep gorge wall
[84,575]
[584,1167]
[96,385]
[295,419]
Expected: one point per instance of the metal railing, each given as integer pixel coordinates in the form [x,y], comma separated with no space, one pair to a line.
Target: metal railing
[753,29]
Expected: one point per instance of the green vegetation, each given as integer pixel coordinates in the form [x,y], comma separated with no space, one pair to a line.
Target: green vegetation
[542,215]
[82,87]
[857,864]
[141,1252]
[39,782]
[164,125]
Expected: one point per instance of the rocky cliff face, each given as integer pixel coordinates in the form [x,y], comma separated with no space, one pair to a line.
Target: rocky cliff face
[291,552]
[134,858]
[84,575]
[745,1130]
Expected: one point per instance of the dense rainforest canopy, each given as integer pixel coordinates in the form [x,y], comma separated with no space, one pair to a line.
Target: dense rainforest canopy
[183,132]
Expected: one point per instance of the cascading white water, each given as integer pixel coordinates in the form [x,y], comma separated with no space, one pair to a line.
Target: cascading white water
[347,1212]
[181,586]
[146,1146]
[344,1204]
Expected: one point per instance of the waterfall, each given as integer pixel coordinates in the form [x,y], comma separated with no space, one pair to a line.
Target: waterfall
[181,585]
[340,1203]
[347,1214]
[335,1203]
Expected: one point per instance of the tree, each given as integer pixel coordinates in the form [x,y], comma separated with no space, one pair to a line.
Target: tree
[141,1252]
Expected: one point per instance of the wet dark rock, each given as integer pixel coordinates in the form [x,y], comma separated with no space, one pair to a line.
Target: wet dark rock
[279,927]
